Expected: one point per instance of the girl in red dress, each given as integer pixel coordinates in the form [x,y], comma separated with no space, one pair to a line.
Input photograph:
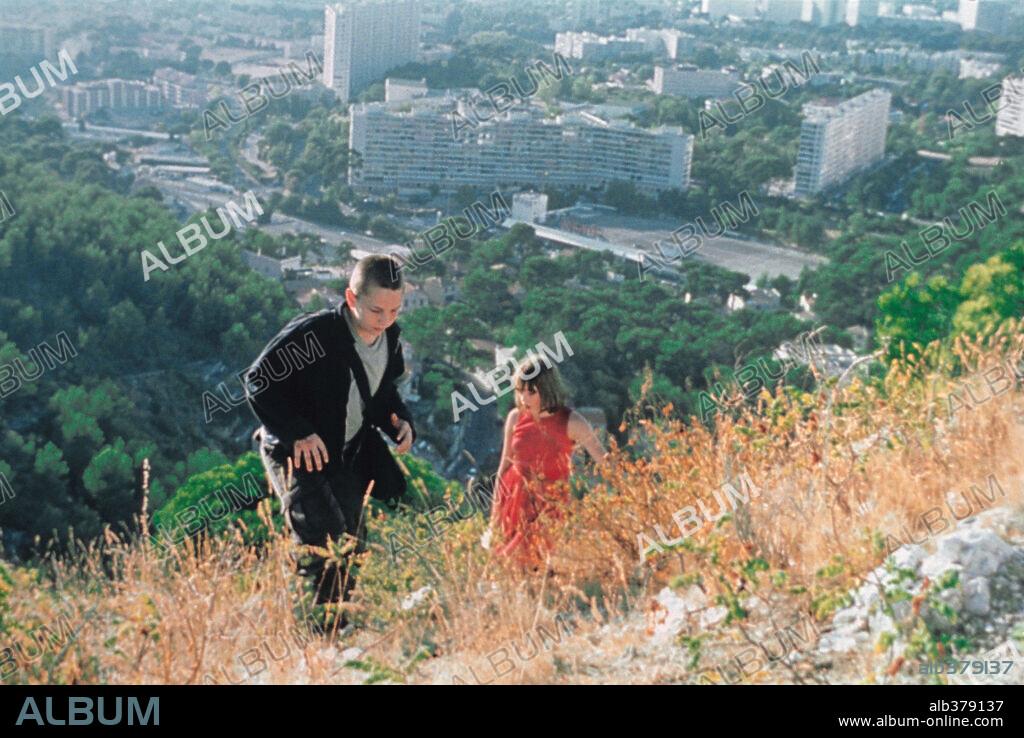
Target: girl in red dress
[541,433]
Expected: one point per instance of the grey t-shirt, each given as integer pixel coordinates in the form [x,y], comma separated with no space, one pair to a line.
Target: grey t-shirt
[375,360]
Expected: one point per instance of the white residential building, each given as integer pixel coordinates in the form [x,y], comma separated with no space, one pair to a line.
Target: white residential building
[861,11]
[915,59]
[414,298]
[116,94]
[818,12]
[365,39]
[754,299]
[29,42]
[782,11]
[830,359]
[984,15]
[662,41]
[686,80]
[179,89]
[838,138]
[977,69]
[269,266]
[1010,119]
[824,12]
[410,147]
[530,206]
[583,12]
[719,9]
[653,40]
[591,47]
[441,291]
[677,43]
[397,90]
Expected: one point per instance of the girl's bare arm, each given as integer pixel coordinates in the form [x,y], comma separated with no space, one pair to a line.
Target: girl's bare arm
[506,461]
[579,430]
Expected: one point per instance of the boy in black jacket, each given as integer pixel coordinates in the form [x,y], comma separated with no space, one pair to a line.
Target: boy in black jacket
[318,440]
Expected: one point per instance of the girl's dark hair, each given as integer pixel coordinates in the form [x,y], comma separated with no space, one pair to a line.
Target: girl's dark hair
[541,375]
[376,270]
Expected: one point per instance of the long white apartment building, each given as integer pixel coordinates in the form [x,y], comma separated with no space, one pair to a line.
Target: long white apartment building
[116,94]
[686,80]
[181,90]
[365,39]
[1010,119]
[27,41]
[837,138]
[592,47]
[411,146]
[818,12]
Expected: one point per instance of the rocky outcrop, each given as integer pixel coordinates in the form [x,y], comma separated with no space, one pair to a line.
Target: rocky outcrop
[985,606]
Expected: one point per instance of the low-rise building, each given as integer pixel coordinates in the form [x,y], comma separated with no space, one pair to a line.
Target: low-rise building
[1010,118]
[181,90]
[397,90]
[414,298]
[270,267]
[687,80]
[531,207]
[440,291]
[592,47]
[663,41]
[114,94]
[754,299]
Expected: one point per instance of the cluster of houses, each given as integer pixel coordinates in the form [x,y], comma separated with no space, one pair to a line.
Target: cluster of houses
[307,282]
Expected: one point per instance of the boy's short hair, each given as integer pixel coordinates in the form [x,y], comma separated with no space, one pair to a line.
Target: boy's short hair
[540,374]
[376,270]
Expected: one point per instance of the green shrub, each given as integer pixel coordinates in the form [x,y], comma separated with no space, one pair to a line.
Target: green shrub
[214,502]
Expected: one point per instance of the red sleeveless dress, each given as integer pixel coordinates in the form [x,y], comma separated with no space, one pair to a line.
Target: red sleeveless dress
[535,486]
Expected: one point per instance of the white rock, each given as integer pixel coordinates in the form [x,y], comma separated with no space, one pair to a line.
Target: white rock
[954,597]
[850,621]
[671,620]
[977,596]
[832,642]
[416,597]
[867,595]
[973,551]
[713,615]
[878,622]
[352,653]
[846,617]
[909,557]
[694,598]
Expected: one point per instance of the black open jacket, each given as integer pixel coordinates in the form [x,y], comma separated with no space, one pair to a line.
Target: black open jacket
[314,398]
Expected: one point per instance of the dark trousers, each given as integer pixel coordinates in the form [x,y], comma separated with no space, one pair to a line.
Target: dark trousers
[318,506]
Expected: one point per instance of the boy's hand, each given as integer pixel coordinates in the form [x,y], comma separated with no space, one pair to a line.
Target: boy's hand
[404,433]
[311,450]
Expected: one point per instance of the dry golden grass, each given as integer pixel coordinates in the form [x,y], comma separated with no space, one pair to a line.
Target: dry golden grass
[888,444]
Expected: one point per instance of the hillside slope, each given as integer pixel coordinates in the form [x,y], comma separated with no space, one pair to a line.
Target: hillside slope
[766,532]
